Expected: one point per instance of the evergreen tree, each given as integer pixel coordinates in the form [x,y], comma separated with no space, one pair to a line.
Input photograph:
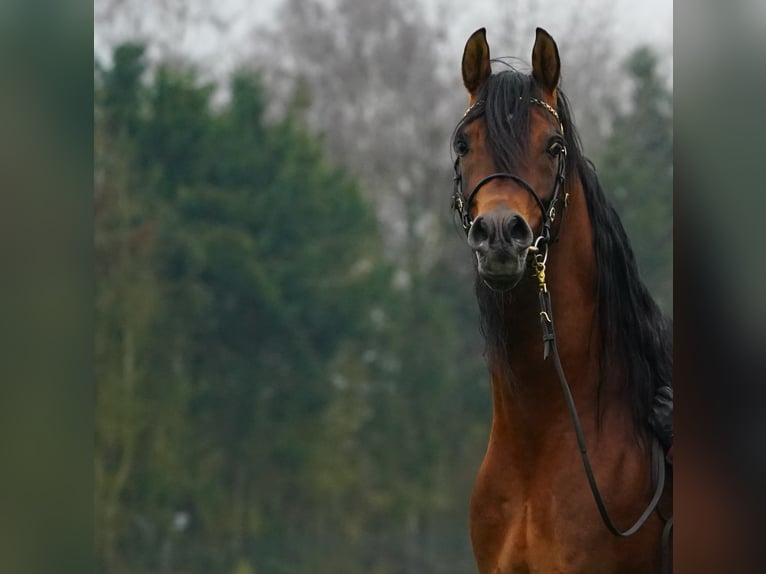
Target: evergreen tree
[637,170]
[234,262]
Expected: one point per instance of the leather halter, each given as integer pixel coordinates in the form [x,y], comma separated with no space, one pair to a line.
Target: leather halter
[539,250]
[462,205]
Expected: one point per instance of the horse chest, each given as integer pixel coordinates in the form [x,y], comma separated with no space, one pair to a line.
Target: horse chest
[517,530]
[506,536]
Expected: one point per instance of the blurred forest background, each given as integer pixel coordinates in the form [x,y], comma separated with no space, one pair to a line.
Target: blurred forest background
[288,363]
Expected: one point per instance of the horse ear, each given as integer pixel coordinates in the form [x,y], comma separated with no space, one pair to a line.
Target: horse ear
[476,66]
[546,66]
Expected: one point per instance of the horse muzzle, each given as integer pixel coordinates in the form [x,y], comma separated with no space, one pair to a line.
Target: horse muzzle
[501,239]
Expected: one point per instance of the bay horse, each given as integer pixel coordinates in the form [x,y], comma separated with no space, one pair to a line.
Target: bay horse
[545,238]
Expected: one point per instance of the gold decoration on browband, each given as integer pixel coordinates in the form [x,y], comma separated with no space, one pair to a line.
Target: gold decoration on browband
[547,106]
[550,108]
[476,103]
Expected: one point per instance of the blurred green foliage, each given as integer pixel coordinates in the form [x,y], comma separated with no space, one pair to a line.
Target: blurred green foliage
[275,393]
[636,168]
[267,400]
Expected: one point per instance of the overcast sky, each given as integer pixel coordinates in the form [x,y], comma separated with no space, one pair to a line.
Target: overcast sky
[632,22]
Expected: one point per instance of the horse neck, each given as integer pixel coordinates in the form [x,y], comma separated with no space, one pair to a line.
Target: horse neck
[534,393]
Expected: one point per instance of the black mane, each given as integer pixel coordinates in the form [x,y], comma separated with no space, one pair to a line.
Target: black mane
[636,337]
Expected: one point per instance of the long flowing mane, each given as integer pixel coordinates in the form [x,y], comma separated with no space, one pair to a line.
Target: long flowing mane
[636,337]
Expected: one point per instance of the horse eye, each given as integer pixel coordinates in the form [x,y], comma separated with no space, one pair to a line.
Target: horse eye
[555,148]
[461,146]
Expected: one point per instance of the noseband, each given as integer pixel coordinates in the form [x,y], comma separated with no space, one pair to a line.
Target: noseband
[462,205]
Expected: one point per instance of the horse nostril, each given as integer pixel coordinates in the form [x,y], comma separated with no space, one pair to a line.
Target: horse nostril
[517,231]
[480,234]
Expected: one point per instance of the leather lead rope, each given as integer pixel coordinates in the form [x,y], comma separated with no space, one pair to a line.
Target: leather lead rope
[551,348]
[667,566]
[549,337]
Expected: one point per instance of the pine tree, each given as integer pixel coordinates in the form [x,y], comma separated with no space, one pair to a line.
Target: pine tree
[637,171]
